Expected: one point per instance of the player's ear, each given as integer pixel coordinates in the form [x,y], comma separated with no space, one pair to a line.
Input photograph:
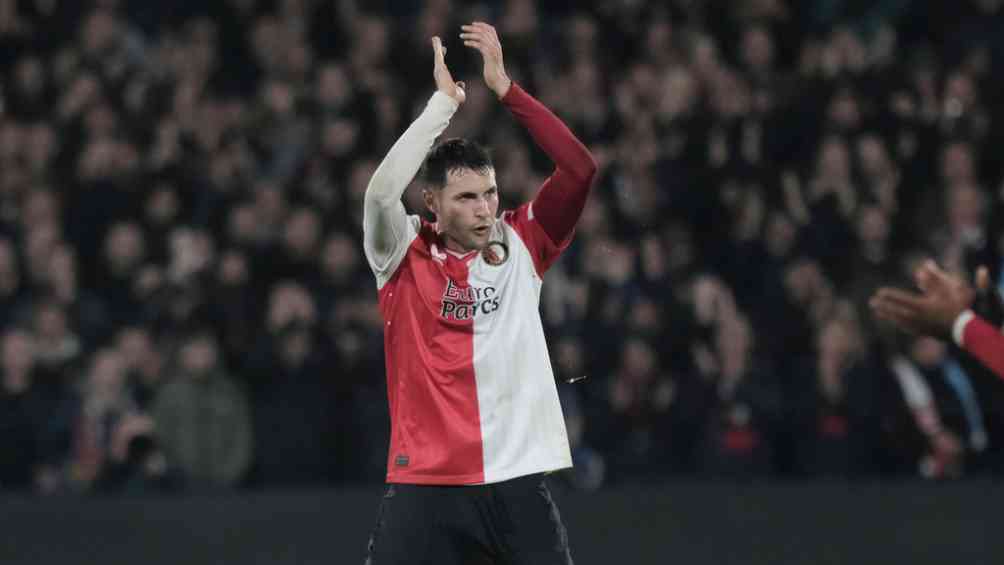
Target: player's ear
[982,278]
[430,200]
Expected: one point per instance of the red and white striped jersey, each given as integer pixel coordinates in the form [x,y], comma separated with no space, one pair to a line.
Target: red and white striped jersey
[470,385]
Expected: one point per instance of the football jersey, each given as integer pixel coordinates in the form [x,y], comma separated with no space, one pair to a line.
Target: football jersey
[982,340]
[470,386]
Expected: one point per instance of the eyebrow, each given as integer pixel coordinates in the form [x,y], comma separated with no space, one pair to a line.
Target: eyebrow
[475,193]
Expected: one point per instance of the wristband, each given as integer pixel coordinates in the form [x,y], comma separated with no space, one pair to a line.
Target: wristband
[959,327]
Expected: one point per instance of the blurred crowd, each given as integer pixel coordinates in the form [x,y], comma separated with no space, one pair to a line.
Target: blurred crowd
[183,298]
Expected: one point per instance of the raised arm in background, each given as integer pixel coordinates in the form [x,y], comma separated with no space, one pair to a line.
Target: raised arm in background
[943,309]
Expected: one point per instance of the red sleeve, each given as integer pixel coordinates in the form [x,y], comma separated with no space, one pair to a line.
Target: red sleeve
[543,249]
[561,198]
[985,343]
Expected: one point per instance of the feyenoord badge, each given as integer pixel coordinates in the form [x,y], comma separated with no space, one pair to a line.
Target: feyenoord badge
[495,253]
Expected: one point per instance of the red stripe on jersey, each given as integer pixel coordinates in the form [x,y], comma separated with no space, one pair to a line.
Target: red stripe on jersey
[436,432]
[985,343]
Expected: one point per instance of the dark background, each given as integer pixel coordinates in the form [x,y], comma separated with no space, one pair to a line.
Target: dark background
[690,523]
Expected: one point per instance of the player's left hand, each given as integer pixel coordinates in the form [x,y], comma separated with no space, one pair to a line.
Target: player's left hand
[934,311]
[441,73]
[484,38]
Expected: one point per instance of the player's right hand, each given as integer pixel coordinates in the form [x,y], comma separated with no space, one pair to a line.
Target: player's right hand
[931,312]
[444,80]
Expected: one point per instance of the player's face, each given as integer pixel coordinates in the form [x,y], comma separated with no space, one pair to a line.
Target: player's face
[465,208]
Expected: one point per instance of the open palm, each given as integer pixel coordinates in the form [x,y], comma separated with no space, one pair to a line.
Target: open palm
[440,72]
[932,311]
[485,39]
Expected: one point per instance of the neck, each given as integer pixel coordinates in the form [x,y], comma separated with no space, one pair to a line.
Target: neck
[452,244]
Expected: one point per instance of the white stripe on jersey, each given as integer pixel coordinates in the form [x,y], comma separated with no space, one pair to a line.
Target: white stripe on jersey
[522,426]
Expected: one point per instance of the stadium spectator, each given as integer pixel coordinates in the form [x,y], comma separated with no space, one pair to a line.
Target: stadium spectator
[837,415]
[103,411]
[202,418]
[19,418]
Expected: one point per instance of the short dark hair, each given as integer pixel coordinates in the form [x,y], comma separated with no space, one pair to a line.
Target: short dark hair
[451,155]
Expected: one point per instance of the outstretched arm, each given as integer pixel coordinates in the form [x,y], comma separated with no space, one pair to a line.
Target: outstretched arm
[562,197]
[943,309]
[385,222]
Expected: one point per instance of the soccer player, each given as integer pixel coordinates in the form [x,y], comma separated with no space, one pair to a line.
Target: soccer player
[475,420]
[944,308]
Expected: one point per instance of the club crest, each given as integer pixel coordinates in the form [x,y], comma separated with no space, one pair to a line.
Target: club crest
[495,253]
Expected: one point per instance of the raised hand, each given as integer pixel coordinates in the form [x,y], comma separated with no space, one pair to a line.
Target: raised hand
[934,311]
[485,39]
[440,72]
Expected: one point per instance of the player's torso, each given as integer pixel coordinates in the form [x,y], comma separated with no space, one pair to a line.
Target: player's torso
[480,293]
[470,384]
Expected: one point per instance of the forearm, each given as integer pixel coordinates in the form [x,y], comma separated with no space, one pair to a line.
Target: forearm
[569,155]
[382,208]
[975,335]
[405,158]
[561,199]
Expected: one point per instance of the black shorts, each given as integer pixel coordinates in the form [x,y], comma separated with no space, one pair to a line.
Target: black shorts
[514,522]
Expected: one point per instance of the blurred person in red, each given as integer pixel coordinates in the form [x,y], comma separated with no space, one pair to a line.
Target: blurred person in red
[743,404]
[106,424]
[836,419]
[472,394]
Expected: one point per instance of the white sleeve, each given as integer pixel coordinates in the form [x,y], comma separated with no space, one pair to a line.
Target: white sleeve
[387,229]
[959,327]
[912,383]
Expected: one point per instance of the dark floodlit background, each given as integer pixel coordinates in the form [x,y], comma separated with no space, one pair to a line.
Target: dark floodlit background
[190,350]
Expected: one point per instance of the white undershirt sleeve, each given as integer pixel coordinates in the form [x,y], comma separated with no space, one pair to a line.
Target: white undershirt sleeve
[959,327]
[387,229]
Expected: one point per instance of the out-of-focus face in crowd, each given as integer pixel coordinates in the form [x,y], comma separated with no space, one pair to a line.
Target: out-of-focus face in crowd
[107,374]
[125,248]
[136,346]
[340,257]
[958,165]
[17,358]
[302,232]
[199,356]
[233,269]
[290,304]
